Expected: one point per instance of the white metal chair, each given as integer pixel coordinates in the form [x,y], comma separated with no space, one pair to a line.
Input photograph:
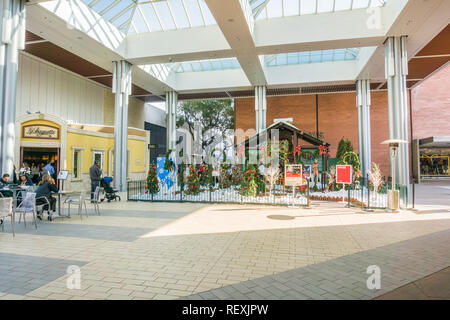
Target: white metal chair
[40,207]
[96,200]
[80,201]
[6,211]
[28,205]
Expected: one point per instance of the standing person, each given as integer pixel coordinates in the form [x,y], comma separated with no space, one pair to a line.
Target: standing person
[26,171]
[35,172]
[95,173]
[45,189]
[14,176]
[51,169]
[42,171]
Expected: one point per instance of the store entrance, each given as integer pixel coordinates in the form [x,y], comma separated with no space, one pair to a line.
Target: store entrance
[37,157]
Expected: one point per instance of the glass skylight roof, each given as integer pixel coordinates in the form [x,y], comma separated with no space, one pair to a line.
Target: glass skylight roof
[204,65]
[311,57]
[138,16]
[267,9]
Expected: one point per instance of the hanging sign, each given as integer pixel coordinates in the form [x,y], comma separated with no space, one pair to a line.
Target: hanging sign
[293,175]
[344,174]
[40,131]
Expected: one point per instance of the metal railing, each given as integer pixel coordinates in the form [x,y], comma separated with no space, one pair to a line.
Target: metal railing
[136,191]
[358,194]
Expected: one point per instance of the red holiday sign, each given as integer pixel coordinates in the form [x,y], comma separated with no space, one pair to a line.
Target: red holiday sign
[344,174]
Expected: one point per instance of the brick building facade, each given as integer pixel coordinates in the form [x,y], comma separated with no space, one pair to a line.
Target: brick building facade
[335,115]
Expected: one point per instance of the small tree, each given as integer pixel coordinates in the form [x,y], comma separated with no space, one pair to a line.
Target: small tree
[249,186]
[193,184]
[272,176]
[152,180]
[344,146]
[375,177]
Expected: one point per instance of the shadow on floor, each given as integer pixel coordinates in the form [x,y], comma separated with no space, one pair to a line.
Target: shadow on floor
[18,272]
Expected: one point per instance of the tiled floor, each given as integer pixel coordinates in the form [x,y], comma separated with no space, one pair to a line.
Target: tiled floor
[193,251]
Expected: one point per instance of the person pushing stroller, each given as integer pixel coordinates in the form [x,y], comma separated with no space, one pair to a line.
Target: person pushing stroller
[95,173]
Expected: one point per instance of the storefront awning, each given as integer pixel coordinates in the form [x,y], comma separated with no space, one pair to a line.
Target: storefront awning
[435,142]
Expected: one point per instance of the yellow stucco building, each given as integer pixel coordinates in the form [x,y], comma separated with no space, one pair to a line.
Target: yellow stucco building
[74,147]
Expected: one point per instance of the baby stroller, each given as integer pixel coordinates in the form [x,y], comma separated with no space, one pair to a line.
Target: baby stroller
[110,193]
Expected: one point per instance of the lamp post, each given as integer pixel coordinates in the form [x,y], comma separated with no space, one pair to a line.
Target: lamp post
[393,195]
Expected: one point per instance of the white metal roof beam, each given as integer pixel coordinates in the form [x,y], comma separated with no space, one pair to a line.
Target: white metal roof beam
[270,36]
[231,17]
[93,46]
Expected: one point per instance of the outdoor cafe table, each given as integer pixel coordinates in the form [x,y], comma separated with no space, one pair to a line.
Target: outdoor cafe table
[60,194]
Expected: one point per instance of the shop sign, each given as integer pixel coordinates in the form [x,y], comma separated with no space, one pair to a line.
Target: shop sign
[293,175]
[344,174]
[40,131]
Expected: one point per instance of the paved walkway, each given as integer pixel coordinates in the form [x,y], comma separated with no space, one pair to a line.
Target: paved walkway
[433,287]
[169,251]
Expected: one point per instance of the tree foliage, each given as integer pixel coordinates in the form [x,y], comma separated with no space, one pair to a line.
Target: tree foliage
[344,146]
[217,115]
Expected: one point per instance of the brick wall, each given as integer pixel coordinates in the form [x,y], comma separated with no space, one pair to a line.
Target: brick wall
[431,106]
[337,114]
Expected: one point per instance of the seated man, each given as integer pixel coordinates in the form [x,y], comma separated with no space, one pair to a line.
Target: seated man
[45,189]
[4,186]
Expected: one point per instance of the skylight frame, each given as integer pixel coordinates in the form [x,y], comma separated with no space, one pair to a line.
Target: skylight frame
[177,14]
[283,59]
[259,6]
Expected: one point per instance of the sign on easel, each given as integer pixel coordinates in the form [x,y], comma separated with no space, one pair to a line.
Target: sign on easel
[63,174]
[293,175]
[344,176]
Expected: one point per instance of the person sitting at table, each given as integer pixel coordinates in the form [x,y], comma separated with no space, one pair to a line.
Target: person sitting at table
[45,189]
[24,181]
[4,186]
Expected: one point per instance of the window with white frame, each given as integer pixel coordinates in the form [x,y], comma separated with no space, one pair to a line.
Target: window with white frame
[77,161]
[98,155]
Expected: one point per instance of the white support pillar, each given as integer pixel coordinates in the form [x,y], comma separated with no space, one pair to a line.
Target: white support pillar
[363,103]
[260,108]
[396,68]
[12,39]
[171,120]
[121,87]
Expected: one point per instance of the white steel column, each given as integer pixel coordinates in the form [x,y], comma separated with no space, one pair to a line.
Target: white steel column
[363,103]
[260,108]
[396,68]
[122,89]
[171,118]
[12,39]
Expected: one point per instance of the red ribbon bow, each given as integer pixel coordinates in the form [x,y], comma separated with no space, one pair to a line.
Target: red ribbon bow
[297,149]
[323,150]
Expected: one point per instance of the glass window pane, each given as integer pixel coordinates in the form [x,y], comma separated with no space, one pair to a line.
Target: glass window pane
[151,17]
[209,18]
[164,14]
[179,13]
[308,7]
[325,5]
[291,7]
[274,9]
[139,22]
[194,13]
